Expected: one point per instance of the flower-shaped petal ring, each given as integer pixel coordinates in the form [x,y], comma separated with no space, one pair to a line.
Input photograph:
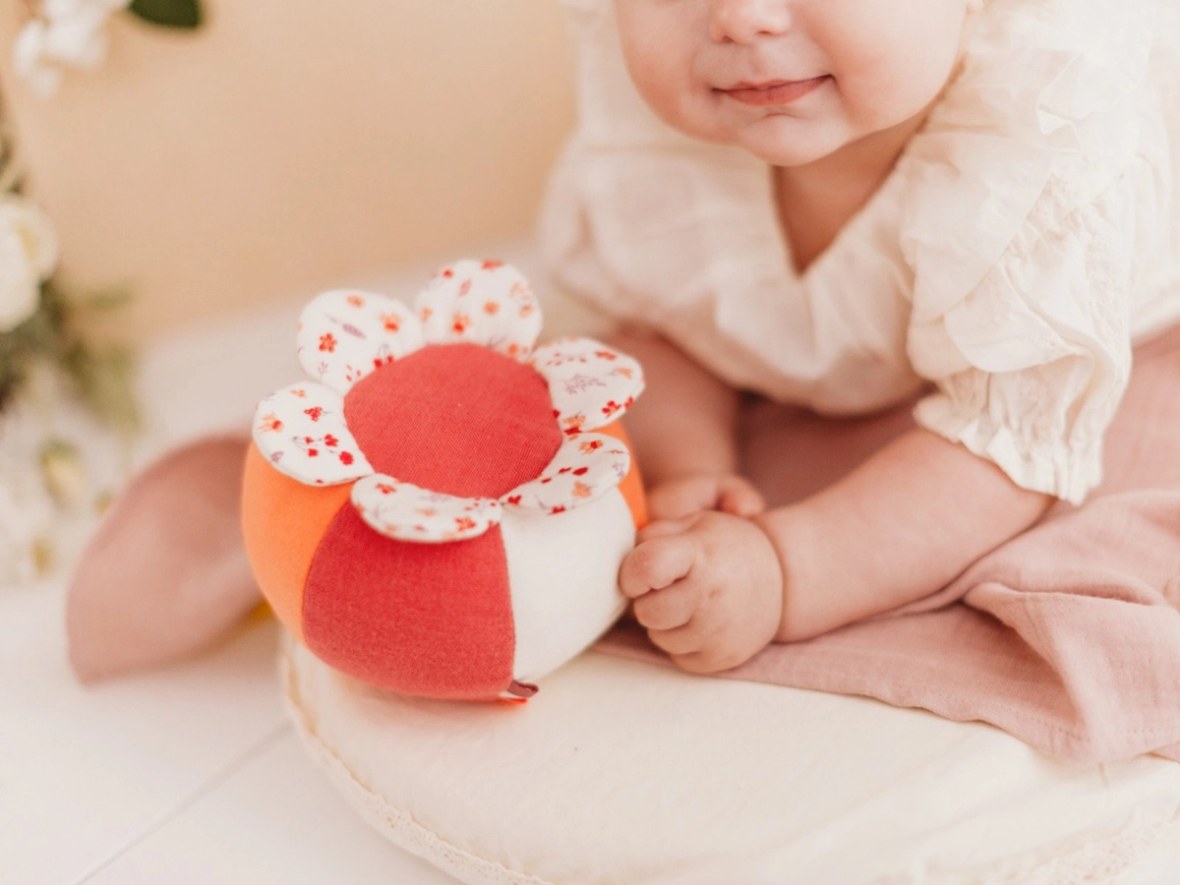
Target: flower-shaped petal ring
[345,336]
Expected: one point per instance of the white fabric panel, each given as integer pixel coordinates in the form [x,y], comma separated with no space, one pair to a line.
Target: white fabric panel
[563,572]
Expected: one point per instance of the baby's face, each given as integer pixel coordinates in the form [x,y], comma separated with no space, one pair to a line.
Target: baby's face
[791,81]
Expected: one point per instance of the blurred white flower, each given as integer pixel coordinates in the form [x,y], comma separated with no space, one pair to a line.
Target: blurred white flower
[58,465]
[64,473]
[26,506]
[26,519]
[28,255]
[67,33]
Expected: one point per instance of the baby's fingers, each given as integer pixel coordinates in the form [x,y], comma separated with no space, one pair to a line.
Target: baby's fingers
[737,496]
[680,642]
[682,497]
[655,564]
[668,608]
[696,659]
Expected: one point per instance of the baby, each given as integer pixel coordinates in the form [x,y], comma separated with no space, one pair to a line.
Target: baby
[842,205]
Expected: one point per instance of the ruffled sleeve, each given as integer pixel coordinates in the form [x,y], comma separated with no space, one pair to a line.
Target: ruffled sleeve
[1026,294]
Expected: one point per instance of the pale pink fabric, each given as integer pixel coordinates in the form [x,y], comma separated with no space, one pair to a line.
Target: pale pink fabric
[1068,636]
[166,574]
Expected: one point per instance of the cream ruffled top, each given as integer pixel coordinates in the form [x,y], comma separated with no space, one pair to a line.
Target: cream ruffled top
[1027,236]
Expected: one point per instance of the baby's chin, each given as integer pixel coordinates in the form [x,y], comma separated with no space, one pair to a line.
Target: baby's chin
[775,139]
[778,139]
[789,141]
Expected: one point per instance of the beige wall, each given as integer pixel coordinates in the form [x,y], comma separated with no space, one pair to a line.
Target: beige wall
[293,143]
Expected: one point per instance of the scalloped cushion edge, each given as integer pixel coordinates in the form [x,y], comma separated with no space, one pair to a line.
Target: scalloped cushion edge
[395,824]
[1075,859]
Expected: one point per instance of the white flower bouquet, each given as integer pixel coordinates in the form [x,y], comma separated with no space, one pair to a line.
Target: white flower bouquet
[66,404]
[62,34]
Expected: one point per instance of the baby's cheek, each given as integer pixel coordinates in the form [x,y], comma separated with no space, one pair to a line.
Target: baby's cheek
[894,62]
[659,60]
[889,96]
[663,90]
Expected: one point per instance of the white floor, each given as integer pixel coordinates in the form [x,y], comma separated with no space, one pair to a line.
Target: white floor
[187,775]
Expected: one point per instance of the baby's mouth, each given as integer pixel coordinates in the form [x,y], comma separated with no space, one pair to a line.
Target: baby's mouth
[773,92]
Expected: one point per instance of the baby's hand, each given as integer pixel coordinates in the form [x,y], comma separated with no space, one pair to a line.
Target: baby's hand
[708,588]
[690,494]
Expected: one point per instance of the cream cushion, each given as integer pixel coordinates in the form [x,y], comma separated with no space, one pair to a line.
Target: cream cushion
[619,771]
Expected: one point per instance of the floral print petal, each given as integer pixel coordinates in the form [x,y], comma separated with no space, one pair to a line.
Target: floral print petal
[345,334]
[586,466]
[302,432]
[407,512]
[481,302]
[591,384]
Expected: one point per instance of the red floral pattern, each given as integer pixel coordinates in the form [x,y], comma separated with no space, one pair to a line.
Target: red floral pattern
[345,335]
[481,302]
[583,469]
[591,384]
[311,444]
[406,512]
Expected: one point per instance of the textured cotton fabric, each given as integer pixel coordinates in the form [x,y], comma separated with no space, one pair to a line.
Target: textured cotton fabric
[1026,238]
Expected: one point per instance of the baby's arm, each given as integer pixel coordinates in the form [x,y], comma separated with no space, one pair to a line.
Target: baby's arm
[684,435]
[900,527]
[714,588]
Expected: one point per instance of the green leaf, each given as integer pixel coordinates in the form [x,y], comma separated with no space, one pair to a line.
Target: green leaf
[108,299]
[168,13]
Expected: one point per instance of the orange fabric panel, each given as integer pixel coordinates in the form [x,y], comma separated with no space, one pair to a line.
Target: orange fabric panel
[632,486]
[283,522]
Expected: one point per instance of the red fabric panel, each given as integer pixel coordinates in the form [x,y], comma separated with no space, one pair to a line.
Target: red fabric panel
[455,418]
[424,619]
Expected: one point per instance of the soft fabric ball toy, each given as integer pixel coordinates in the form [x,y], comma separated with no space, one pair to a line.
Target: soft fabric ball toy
[443,510]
